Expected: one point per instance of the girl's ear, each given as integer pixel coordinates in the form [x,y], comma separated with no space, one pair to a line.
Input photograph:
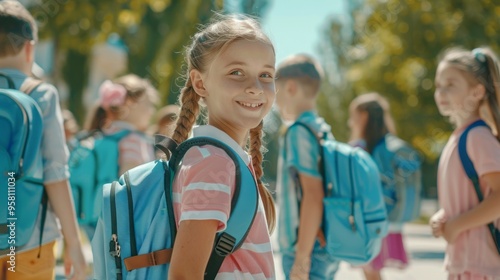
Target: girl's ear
[198,83]
[479,92]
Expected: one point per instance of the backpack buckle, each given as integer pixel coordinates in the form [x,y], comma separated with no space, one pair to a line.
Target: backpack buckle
[225,244]
[353,224]
[114,246]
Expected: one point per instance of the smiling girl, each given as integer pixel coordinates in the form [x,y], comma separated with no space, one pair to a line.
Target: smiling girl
[230,69]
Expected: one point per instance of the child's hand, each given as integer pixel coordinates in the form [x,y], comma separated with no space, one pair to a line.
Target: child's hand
[300,269]
[437,223]
[73,257]
[451,231]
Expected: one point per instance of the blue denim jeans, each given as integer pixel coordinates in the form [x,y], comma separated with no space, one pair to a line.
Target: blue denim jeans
[323,267]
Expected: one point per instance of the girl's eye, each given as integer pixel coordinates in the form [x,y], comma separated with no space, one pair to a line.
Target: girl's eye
[266,75]
[236,73]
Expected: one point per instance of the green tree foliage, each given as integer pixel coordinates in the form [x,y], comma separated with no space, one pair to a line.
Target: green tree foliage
[392,47]
[155,32]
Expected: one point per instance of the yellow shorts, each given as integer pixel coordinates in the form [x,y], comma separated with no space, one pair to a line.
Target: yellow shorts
[28,266]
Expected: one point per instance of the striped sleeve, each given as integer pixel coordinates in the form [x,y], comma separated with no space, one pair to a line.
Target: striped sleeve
[208,179]
[302,151]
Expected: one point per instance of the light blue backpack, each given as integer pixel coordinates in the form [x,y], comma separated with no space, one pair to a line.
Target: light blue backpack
[354,218]
[399,165]
[136,231]
[21,169]
[92,163]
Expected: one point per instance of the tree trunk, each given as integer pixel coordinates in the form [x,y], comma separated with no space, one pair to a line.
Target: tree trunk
[75,74]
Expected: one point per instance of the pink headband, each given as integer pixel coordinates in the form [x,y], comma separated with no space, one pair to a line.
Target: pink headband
[111,94]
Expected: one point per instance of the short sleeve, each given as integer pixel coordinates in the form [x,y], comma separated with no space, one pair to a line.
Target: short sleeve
[54,150]
[302,151]
[208,181]
[483,150]
[135,150]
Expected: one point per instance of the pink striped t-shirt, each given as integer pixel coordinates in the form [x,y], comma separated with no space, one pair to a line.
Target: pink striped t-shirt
[203,189]
[473,251]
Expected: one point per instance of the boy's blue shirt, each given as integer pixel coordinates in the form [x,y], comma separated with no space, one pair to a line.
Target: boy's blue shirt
[301,155]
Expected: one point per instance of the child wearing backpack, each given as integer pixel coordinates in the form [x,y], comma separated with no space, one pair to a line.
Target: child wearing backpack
[126,104]
[117,126]
[372,129]
[230,69]
[303,257]
[35,259]
[468,92]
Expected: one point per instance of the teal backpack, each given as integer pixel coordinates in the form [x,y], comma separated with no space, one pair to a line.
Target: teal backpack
[93,162]
[399,166]
[354,214]
[136,231]
[21,165]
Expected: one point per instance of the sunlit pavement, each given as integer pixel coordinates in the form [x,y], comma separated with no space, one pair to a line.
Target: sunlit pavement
[426,253]
[426,256]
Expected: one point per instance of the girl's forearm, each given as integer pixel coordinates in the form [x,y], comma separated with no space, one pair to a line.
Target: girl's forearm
[486,212]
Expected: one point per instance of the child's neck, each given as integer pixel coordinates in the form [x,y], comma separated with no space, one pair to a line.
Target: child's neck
[237,135]
[304,107]
[461,121]
[15,62]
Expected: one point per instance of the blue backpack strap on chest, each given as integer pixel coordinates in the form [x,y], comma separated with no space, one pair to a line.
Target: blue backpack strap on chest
[473,176]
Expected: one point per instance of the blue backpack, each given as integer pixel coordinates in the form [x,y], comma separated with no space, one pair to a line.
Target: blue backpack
[472,174]
[21,165]
[399,166]
[92,163]
[354,218]
[136,231]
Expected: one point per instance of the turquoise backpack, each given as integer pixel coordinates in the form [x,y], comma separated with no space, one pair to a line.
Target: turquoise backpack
[136,231]
[21,165]
[354,214]
[399,166]
[93,162]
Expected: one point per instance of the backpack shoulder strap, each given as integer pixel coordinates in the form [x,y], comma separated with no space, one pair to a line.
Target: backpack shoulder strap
[29,85]
[319,136]
[241,217]
[473,176]
[10,82]
[464,157]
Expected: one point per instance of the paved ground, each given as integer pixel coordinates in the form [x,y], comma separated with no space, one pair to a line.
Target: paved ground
[426,253]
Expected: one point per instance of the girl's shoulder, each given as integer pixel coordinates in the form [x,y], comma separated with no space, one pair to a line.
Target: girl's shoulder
[481,135]
[208,155]
[481,130]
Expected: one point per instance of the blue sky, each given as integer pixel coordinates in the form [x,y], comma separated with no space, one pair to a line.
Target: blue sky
[296,26]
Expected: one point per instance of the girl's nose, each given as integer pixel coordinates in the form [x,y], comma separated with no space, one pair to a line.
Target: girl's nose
[255,88]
